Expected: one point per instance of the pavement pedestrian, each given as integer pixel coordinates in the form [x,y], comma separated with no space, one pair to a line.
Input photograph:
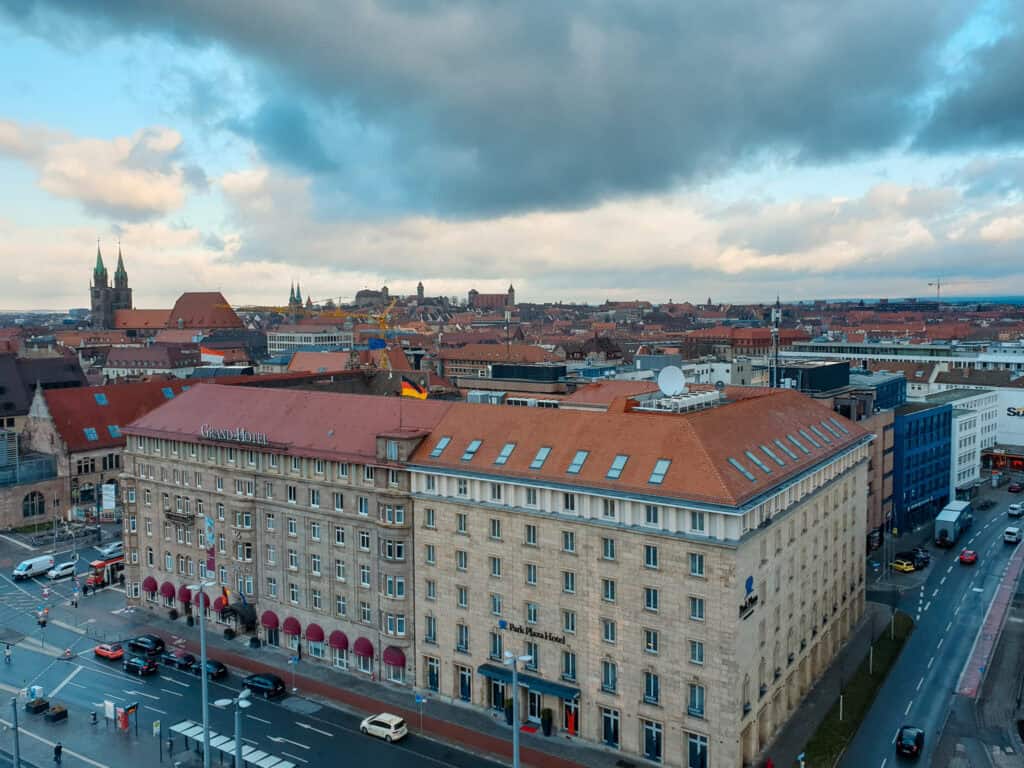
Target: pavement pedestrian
[58,752]
[7,653]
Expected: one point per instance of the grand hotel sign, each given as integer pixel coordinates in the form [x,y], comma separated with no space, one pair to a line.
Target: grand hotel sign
[233,435]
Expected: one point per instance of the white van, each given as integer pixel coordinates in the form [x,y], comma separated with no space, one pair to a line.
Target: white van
[34,566]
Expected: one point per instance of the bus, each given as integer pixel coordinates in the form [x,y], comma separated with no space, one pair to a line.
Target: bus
[104,572]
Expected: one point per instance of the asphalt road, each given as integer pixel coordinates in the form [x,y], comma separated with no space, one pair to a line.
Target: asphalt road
[949,602]
[293,728]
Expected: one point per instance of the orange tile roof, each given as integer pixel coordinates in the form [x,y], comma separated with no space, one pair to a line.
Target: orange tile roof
[497,353]
[140,319]
[699,445]
[604,392]
[203,309]
[319,362]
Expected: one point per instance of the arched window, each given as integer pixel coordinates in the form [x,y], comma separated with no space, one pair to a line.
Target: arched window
[33,505]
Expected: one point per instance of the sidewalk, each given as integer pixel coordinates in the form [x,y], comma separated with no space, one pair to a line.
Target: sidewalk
[802,724]
[467,727]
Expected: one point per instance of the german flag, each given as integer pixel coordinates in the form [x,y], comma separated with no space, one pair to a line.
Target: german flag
[411,389]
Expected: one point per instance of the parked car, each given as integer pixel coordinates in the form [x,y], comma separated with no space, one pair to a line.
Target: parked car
[214,669]
[61,571]
[1015,510]
[384,726]
[910,741]
[113,549]
[1012,535]
[177,658]
[1015,487]
[968,557]
[922,554]
[139,665]
[151,645]
[265,684]
[111,651]
[903,565]
[985,504]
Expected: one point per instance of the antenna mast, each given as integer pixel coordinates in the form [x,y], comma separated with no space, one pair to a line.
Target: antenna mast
[773,362]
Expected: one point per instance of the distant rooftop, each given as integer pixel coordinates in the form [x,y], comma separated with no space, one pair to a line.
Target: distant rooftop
[952,395]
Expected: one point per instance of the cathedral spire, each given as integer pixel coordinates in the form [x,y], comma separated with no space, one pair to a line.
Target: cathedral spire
[99,272]
[120,274]
[291,293]
[298,294]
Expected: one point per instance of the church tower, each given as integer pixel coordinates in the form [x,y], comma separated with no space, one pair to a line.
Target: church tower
[104,298]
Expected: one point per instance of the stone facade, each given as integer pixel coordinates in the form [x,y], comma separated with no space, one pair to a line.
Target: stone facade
[665,659]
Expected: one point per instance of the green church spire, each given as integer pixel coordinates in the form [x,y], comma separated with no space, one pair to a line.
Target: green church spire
[99,272]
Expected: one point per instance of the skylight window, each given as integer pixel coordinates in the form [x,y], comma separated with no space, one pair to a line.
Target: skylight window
[760,464]
[540,458]
[824,438]
[832,430]
[743,470]
[168,392]
[101,399]
[773,456]
[114,430]
[799,445]
[785,449]
[809,439]
[615,470]
[90,433]
[839,424]
[471,449]
[577,462]
[439,448]
[660,468]
[506,451]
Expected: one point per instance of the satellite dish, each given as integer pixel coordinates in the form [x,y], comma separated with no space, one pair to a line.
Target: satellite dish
[671,381]
[719,385]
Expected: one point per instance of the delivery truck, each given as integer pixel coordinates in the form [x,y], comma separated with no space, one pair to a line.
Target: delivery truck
[955,518]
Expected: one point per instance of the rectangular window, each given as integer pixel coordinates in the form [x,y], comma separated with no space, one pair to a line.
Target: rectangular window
[339,502]
[462,487]
[368,473]
[461,559]
[496,604]
[618,464]
[652,515]
[569,582]
[339,570]
[608,508]
[568,666]
[533,652]
[439,448]
[431,483]
[569,622]
[496,567]
[609,676]
[568,541]
[471,449]
[531,497]
[540,458]
[608,630]
[314,564]
[296,464]
[651,641]
[364,506]
[532,613]
[293,494]
[696,652]
[531,574]
[431,555]
[431,589]
[652,688]
[495,528]
[651,599]
[577,462]
[461,522]
[569,502]
[391,450]
[496,646]
[608,549]
[506,452]
[495,491]
[530,535]
[608,590]
[339,536]
[696,521]
[462,638]
[364,541]
[660,469]
[393,478]
[697,608]
[696,706]
[696,564]
[650,556]
[343,471]
[272,586]
[429,520]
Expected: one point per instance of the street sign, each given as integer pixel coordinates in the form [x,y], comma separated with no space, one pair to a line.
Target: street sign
[108,710]
[420,699]
[156,728]
[293,659]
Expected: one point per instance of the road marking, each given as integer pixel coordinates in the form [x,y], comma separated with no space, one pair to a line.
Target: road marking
[942,581]
[907,710]
[25,732]
[140,693]
[176,682]
[258,719]
[309,727]
[949,626]
[950,569]
[65,681]
[928,605]
[978,589]
[173,693]
[21,544]
[283,740]
[935,592]
[930,662]
[154,709]
[294,757]
[111,696]
[886,759]
[940,643]
[919,684]
[895,735]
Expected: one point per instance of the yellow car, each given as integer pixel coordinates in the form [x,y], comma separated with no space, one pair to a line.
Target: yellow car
[903,566]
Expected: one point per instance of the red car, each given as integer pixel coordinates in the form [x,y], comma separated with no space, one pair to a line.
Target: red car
[968,557]
[111,651]
[1015,487]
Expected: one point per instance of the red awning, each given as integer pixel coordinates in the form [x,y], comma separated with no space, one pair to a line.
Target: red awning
[201,596]
[339,640]
[291,626]
[167,589]
[184,594]
[149,584]
[268,619]
[219,605]
[315,633]
[394,657]
[363,647]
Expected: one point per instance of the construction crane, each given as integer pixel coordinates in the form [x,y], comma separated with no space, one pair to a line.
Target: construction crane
[937,284]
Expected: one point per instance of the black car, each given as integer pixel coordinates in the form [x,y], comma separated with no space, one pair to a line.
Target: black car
[151,645]
[139,665]
[177,658]
[922,554]
[910,741]
[215,670]
[265,684]
[919,559]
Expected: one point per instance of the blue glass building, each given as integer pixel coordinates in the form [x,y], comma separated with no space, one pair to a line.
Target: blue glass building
[921,464]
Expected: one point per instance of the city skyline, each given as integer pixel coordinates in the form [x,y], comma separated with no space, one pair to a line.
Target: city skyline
[580,154]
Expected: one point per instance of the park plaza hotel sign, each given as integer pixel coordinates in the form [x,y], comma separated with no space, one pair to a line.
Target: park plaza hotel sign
[530,632]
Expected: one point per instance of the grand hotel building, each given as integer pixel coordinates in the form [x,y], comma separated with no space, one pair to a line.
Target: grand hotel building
[678,579]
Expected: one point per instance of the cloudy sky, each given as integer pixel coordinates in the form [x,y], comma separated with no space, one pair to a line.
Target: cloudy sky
[582,151]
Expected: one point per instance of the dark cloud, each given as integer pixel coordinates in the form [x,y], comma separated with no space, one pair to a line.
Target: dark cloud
[287,135]
[985,106]
[504,106]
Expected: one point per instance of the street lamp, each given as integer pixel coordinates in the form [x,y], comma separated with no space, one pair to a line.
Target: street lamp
[202,666]
[241,702]
[511,660]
